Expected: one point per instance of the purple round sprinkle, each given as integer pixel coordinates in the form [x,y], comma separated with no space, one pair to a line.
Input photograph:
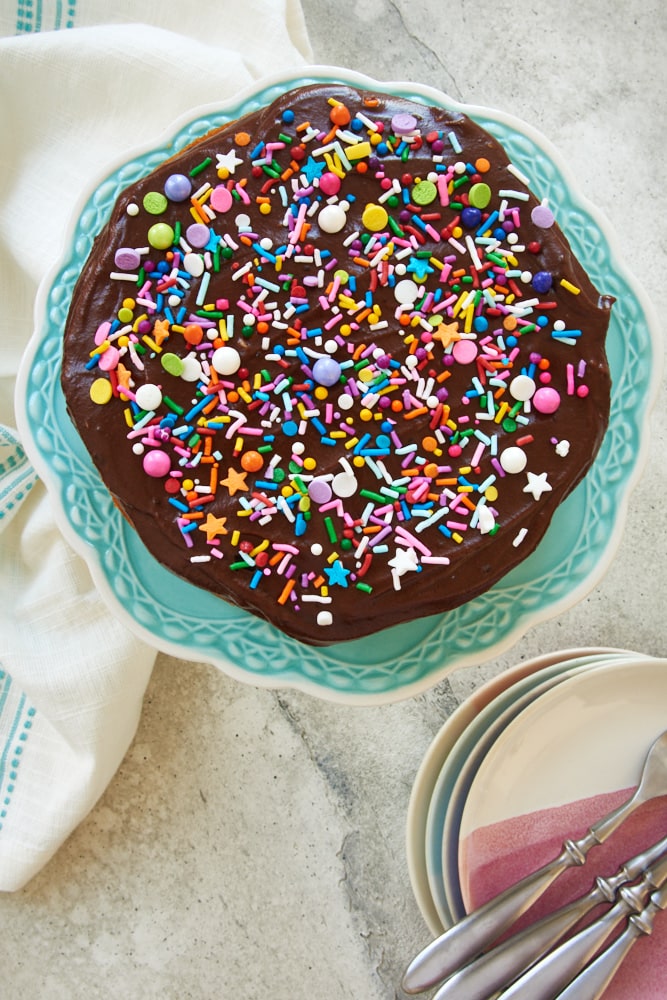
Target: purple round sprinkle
[177,187]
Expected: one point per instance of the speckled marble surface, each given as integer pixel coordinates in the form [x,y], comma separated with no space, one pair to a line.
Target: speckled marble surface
[253,842]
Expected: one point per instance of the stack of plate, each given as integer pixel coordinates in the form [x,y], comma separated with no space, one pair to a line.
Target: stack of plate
[534,756]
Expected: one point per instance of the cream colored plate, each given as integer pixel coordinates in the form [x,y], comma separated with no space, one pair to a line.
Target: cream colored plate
[429,770]
[586,737]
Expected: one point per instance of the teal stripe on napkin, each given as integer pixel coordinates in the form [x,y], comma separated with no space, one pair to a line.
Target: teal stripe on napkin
[16,719]
[17,477]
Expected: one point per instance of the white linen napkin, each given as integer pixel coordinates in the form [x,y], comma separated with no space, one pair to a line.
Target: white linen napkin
[72,101]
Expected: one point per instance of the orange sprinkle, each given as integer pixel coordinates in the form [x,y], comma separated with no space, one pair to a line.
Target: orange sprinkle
[196,212]
[242,139]
[286,591]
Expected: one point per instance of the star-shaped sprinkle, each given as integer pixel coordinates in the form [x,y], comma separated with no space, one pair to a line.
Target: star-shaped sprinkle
[228,161]
[160,331]
[446,333]
[235,482]
[213,527]
[419,267]
[312,169]
[124,376]
[405,561]
[537,485]
[337,574]
[485,519]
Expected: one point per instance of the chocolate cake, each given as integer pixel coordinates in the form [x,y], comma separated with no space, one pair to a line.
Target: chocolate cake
[336,363]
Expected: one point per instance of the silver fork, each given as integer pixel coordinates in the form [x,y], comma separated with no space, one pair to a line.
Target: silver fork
[503,964]
[471,935]
[548,977]
[593,981]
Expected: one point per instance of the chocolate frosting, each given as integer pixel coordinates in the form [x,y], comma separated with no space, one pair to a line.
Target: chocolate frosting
[336,363]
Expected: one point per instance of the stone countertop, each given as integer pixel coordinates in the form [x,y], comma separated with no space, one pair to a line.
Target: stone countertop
[252,843]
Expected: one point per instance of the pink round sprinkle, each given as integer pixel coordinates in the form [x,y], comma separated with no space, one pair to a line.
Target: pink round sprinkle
[102,333]
[221,198]
[157,464]
[329,184]
[109,359]
[582,391]
[546,400]
[464,351]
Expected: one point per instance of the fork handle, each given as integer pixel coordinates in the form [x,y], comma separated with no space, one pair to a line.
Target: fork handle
[467,938]
[471,935]
[593,981]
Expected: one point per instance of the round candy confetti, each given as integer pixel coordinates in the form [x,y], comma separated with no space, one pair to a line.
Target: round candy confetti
[172,363]
[319,491]
[194,264]
[148,396]
[157,464]
[406,291]
[101,391]
[479,195]
[513,459]
[546,400]
[160,236]
[326,371]
[226,360]
[197,235]
[375,218]
[221,198]
[332,219]
[344,484]
[109,359]
[192,370]
[542,216]
[155,203]
[424,193]
[403,124]
[522,387]
[178,187]
[127,259]
[464,351]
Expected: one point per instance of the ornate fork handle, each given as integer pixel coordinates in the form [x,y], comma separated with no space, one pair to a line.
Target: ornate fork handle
[471,935]
[593,981]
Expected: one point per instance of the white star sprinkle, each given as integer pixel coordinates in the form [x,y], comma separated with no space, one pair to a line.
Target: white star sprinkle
[404,561]
[228,161]
[537,485]
[485,519]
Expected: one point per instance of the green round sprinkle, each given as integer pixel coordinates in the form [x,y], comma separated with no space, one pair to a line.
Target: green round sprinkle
[155,202]
[172,364]
[424,193]
[161,236]
[479,195]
